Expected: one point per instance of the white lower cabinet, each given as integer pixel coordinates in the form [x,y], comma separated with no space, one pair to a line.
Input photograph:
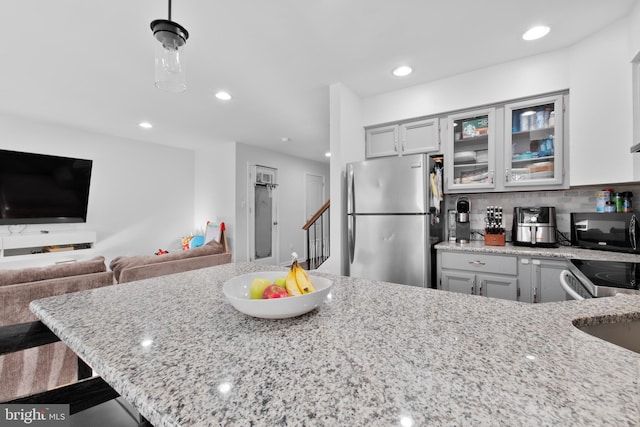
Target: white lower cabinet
[540,279]
[493,276]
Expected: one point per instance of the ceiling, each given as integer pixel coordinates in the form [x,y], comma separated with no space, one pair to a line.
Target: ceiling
[90,64]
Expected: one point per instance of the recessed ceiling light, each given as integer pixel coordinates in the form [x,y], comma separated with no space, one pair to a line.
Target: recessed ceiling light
[327,154]
[224,96]
[402,71]
[536,33]
[285,139]
[145,125]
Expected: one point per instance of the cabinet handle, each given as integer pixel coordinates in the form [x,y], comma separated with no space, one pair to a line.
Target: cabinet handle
[535,295]
[481,284]
[477,262]
[506,175]
[395,146]
[491,176]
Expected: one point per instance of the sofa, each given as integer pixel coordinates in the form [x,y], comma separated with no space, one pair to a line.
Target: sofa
[47,366]
[131,268]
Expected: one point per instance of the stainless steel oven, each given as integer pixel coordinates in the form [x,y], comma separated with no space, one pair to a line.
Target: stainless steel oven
[597,278]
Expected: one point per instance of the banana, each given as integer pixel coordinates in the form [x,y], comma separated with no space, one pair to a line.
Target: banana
[304,284]
[292,284]
[311,288]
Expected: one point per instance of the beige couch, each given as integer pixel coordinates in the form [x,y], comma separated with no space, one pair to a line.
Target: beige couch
[45,367]
[130,268]
[48,366]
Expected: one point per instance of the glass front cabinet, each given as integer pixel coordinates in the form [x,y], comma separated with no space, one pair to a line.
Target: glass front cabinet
[533,144]
[515,146]
[470,151]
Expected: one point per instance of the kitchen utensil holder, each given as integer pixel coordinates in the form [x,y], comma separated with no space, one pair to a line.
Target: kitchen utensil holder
[494,239]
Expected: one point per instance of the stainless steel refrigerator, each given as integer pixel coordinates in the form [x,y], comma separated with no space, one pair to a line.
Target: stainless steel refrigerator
[391,226]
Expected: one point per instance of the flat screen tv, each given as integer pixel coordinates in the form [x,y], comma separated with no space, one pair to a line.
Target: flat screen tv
[43,189]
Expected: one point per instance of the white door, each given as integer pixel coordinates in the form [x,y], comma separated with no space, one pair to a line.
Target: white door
[314,199]
[314,190]
[263,214]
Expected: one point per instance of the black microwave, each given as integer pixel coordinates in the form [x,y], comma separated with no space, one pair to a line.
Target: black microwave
[608,231]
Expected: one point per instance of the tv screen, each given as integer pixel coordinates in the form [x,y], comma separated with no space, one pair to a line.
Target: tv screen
[43,189]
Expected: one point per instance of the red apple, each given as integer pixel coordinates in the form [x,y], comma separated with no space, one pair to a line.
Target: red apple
[274,291]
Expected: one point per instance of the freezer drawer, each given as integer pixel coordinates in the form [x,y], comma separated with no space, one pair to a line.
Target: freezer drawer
[390,248]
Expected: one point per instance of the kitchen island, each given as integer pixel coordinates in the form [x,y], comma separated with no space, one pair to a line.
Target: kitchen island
[375,354]
[563,252]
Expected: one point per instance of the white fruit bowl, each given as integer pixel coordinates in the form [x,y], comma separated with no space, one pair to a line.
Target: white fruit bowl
[236,290]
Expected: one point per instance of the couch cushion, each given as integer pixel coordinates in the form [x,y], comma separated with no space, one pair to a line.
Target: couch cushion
[34,274]
[123,262]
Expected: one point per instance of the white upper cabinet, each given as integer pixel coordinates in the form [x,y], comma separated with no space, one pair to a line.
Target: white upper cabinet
[422,136]
[419,136]
[382,141]
[470,151]
[509,146]
[534,143]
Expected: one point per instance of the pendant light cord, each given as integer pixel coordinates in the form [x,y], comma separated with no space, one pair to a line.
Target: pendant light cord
[169,10]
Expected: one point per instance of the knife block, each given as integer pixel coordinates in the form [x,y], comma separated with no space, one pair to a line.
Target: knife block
[494,239]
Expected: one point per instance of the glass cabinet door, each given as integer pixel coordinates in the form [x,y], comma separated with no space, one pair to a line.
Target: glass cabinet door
[470,156]
[533,142]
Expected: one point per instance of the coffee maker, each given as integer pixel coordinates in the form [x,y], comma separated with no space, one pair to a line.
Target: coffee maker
[463,226]
[534,226]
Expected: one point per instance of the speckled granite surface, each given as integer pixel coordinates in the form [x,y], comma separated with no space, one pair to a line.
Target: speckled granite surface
[567,252]
[375,354]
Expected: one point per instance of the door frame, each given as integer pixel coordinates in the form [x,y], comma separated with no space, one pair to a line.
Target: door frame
[251,200]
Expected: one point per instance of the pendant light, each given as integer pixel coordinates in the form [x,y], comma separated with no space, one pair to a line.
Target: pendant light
[169,58]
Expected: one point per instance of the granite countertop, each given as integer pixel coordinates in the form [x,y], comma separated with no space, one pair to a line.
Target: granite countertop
[566,252]
[375,354]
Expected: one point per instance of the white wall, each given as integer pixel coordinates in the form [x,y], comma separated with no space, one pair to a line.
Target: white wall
[347,145]
[291,191]
[141,195]
[529,76]
[215,188]
[146,197]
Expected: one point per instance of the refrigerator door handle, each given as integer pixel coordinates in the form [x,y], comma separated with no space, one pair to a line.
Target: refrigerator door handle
[351,237]
[350,190]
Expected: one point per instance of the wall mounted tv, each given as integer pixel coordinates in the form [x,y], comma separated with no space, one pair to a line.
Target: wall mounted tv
[43,189]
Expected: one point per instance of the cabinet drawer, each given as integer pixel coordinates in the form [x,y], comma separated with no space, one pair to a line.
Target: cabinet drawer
[501,264]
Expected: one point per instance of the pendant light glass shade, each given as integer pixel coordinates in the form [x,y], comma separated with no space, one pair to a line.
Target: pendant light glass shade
[170,71]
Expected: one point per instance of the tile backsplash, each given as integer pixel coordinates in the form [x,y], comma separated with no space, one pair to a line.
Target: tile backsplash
[578,199]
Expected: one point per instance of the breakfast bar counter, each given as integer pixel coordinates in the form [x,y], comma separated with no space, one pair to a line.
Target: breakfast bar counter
[374,354]
[564,252]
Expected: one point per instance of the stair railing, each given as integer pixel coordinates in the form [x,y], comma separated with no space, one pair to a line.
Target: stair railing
[317,229]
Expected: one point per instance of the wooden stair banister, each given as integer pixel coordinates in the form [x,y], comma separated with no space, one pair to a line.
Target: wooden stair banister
[317,215]
[320,245]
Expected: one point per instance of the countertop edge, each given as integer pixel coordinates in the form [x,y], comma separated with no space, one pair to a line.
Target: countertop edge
[562,252]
